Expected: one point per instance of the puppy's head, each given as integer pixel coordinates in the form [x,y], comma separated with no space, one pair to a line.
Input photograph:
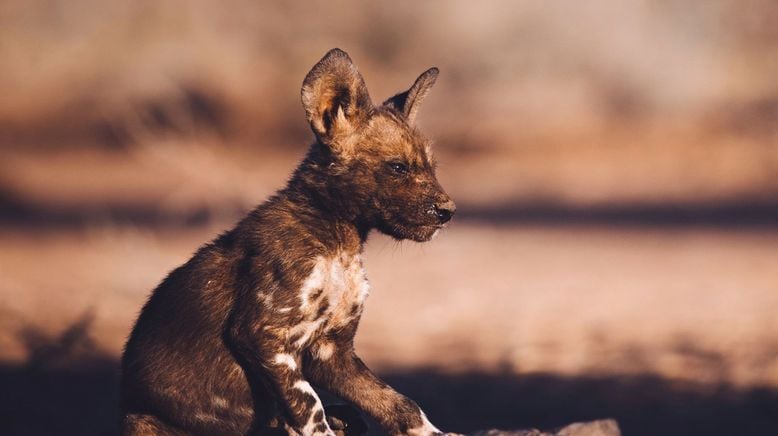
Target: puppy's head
[376,158]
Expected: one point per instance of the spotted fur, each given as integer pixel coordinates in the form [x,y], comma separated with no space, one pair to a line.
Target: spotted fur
[233,341]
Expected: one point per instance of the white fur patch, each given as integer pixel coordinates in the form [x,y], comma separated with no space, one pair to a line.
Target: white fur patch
[341,119]
[364,287]
[285,359]
[306,387]
[285,310]
[343,284]
[314,281]
[425,429]
[302,385]
[267,299]
[305,330]
[325,350]
[308,430]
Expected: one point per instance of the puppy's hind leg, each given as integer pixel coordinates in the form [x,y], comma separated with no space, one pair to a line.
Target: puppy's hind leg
[148,425]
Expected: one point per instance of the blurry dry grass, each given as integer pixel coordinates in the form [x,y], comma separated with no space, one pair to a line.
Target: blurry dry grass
[585,103]
[615,163]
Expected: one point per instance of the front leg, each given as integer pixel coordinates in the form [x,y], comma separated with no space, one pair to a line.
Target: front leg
[335,367]
[268,357]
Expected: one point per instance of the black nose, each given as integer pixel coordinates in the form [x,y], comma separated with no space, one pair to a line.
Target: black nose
[445,211]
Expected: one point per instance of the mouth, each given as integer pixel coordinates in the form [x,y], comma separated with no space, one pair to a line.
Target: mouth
[403,227]
[417,232]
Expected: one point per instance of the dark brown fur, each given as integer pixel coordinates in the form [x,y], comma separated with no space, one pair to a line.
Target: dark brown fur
[228,341]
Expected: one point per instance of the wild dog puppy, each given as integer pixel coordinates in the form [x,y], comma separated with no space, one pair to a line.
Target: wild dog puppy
[232,341]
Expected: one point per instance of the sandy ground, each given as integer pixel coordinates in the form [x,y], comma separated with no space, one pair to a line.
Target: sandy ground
[692,304]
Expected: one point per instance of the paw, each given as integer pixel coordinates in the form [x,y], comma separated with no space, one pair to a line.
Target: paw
[345,420]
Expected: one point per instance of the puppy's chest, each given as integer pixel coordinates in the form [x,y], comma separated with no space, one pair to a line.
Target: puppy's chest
[331,296]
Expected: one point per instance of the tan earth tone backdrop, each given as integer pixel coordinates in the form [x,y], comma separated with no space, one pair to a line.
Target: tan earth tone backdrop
[615,165]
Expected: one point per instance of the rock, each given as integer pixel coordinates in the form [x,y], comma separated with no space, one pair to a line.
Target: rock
[345,420]
[603,427]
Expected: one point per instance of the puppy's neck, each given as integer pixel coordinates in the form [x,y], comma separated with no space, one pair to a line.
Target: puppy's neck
[325,209]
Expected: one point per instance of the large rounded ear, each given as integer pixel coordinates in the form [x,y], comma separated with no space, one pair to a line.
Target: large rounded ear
[408,102]
[335,97]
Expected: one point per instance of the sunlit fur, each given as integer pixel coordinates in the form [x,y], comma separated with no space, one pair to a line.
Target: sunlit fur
[360,184]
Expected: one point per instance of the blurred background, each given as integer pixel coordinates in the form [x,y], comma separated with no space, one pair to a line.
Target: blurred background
[615,165]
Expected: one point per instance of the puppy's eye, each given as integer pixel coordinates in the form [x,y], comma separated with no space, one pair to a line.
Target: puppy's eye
[398,167]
